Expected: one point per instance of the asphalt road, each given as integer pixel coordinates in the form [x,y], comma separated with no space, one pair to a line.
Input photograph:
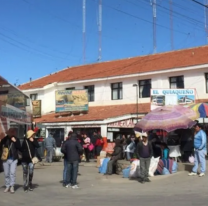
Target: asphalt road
[98,190]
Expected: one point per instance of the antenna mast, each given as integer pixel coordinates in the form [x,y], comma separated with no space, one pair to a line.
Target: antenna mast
[100,30]
[171,24]
[84,29]
[154,26]
[206,17]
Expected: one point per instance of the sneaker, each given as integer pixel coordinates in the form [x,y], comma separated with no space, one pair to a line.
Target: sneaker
[25,189]
[141,181]
[201,174]
[30,188]
[75,187]
[68,185]
[6,190]
[12,190]
[192,174]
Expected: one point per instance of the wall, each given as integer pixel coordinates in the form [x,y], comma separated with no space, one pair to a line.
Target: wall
[192,79]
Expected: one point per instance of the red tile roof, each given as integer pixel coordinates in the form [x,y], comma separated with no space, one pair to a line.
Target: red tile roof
[156,62]
[96,113]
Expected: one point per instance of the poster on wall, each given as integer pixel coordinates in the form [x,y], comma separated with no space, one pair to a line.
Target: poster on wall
[71,100]
[36,108]
[162,97]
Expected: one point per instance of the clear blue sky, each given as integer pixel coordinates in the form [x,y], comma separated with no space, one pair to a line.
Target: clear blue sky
[39,37]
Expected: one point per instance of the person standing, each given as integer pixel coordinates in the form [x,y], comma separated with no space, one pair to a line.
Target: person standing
[99,145]
[130,149]
[50,144]
[86,149]
[144,153]
[12,145]
[200,147]
[72,149]
[29,146]
[65,171]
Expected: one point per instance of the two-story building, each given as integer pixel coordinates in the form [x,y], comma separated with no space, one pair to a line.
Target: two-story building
[119,91]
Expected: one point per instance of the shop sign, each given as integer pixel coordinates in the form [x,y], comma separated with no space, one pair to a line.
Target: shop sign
[36,108]
[71,100]
[128,123]
[85,126]
[113,129]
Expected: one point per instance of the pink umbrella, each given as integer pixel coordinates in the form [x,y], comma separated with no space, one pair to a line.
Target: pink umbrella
[165,118]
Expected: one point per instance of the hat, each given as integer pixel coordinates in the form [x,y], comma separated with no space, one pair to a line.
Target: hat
[144,134]
[30,133]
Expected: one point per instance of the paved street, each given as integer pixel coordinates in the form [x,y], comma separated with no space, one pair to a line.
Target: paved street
[96,189]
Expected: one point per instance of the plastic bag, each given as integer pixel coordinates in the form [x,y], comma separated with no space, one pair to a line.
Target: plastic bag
[135,171]
[191,159]
[153,166]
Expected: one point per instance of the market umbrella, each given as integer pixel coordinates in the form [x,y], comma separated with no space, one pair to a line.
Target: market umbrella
[200,108]
[191,114]
[165,119]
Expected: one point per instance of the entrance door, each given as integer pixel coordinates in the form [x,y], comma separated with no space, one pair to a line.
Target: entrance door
[58,135]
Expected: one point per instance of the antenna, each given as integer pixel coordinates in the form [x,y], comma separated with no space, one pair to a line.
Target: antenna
[206,17]
[154,26]
[84,29]
[171,24]
[100,30]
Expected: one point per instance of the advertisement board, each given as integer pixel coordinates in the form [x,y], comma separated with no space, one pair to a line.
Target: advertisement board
[162,97]
[71,100]
[36,108]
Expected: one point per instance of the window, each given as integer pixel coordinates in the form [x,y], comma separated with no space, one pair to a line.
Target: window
[70,88]
[176,82]
[144,88]
[116,91]
[206,79]
[4,92]
[90,93]
[34,96]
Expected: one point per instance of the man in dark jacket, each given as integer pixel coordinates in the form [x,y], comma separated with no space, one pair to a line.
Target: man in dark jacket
[144,153]
[116,155]
[72,149]
[10,163]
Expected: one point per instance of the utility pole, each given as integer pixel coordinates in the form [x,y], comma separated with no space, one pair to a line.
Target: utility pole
[84,29]
[171,24]
[100,30]
[154,26]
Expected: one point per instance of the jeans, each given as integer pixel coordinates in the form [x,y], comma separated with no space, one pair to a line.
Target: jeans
[72,172]
[199,157]
[65,173]
[28,169]
[10,172]
[49,154]
[129,155]
[144,168]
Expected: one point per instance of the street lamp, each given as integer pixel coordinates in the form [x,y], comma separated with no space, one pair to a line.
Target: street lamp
[137,106]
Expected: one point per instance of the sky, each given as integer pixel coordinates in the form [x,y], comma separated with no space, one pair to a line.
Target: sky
[40,37]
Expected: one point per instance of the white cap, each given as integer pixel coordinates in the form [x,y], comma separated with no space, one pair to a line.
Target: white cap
[144,134]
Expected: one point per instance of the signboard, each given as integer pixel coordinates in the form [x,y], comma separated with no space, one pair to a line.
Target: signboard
[161,97]
[36,108]
[71,100]
[128,123]
[16,99]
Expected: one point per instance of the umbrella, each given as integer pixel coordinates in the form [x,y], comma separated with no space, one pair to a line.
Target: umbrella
[164,118]
[191,114]
[200,108]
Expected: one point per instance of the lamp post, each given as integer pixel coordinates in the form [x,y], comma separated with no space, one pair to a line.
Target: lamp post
[137,108]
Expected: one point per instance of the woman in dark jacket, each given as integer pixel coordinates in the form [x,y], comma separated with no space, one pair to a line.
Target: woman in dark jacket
[116,155]
[29,146]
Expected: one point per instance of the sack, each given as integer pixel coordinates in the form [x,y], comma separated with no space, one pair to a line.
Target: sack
[91,147]
[191,159]
[135,169]
[126,172]
[153,166]
[35,160]
[5,153]
[165,171]
[103,167]
[175,167]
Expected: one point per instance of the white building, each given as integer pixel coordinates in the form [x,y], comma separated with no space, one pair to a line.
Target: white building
[112,97]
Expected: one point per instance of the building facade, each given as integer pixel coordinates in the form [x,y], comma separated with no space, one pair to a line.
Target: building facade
[119,91]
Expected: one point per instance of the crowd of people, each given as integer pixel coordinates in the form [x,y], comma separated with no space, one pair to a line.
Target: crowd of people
[77,145]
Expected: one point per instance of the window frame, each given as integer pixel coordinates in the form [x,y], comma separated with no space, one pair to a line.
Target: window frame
[91,92]
[70,88]
[176,82]
[36,96]
[119,90]
[143,85]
